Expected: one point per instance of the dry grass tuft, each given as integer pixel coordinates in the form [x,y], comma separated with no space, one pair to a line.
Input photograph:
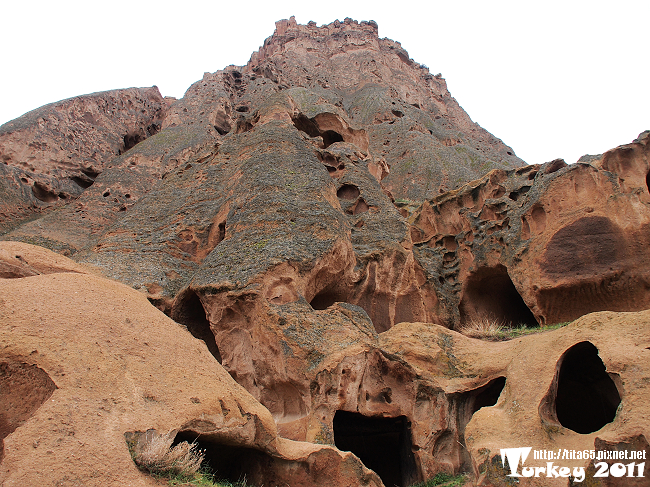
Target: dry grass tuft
[158,456]
[483,328]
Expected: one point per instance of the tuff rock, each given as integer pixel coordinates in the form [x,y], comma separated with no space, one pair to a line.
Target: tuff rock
[320,224]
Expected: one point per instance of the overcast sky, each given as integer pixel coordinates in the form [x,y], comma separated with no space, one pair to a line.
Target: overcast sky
[551,79]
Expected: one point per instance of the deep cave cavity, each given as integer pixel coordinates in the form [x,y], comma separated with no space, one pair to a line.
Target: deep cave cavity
[308,126]
[586,398]
[130,141]
[647,182]
[190,312]
[491,294]
[488,395]
[25,388]
[326,298]
[231,463]
[382,444]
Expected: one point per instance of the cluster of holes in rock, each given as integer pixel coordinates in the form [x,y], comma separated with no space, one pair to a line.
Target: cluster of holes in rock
[190,312]
[491,294]
[587,398]
[304,124]
[382,444]
[231,463]
[25,388]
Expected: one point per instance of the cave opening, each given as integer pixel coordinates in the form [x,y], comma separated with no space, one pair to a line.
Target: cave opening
[490,294]
[587,398]
[191,313]
[382,444]
[647,182]
[330,137]
[488,395]
[325,299]
[234,464]
[130,141]
[348,192]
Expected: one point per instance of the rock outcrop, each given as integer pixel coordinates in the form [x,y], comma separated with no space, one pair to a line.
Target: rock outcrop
[319,221]
[88,363]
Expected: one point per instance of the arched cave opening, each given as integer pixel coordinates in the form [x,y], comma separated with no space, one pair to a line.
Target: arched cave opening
[325,299]
[587,397]
[647,182]
[382,444]
[231,463]
[329,137]
[491,294]
[190,313]
[488,395]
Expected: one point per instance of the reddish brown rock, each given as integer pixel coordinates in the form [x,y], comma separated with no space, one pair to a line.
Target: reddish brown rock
[87,363]
[541,244]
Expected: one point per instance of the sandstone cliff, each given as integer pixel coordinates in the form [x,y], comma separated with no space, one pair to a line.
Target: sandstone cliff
[322,223]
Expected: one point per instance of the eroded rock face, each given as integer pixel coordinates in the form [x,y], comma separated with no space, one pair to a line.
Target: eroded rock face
[81,376]
[52,154]
[541,244]
[291,213]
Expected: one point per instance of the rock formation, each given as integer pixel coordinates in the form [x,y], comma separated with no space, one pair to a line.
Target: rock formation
[320,221]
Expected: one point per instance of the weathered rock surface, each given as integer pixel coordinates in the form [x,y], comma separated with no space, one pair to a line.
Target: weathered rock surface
[291,213]
[86,361]
[541,244]
[53,153]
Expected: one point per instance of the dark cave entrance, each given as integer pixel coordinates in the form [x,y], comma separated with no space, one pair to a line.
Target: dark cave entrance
[382,444]
[491,294]
[587,397]
[231,463]
[329,137]
[325,299]
[488,395]
[190,313]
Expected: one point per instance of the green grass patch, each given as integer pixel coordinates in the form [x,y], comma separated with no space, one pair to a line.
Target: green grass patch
[444,480]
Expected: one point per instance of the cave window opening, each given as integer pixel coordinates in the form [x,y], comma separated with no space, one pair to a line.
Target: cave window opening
[587,398]
[191,314]
[382,444]
[325,299]
[233,464]
[488,395]
[491,295]
[647,182]
[330,137]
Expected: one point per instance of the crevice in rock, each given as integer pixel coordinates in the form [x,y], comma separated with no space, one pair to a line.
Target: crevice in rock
[83,181]
[383,445]
[44,193]
[490,294]
[583,397]
[190,312]
[24,389]
[130,140]
[229,462]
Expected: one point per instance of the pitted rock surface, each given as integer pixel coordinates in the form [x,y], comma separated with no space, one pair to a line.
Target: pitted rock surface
[320,221]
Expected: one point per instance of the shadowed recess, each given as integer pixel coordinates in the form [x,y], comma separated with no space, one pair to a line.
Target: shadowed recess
[587,397]
[382,444]
[23,389]
[231,463]
[491,294]
[190,312]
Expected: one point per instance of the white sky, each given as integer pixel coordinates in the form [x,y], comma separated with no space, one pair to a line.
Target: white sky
[550,78]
